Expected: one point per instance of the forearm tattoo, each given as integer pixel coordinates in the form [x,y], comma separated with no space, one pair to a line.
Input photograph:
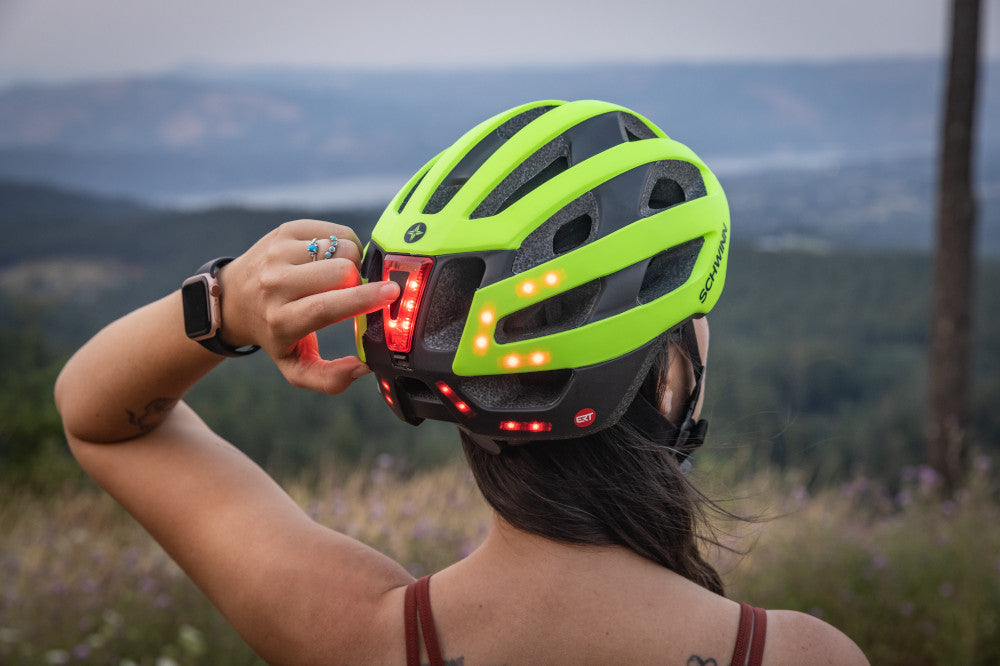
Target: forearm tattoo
[154,412]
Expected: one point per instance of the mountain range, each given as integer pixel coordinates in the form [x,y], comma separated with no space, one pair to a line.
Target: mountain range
[811,155]
[200,133]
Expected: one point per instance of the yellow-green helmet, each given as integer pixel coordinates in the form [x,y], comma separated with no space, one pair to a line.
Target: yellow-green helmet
[542,259]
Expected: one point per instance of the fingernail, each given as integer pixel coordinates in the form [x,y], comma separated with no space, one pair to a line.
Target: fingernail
[389,290]
[360,371]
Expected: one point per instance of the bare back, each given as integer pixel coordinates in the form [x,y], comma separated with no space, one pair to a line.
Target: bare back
[595,605]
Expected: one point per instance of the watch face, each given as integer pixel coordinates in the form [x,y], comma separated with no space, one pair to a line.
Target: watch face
[197,313]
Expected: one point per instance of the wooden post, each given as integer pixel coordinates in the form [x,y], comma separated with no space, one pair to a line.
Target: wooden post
[954,262]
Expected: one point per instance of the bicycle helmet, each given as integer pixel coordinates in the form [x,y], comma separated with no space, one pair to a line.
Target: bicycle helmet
[543,259]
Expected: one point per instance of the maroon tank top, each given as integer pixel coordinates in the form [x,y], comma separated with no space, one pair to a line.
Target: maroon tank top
[748,651]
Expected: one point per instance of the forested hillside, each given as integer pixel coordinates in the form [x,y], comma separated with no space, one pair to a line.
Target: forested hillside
[817,352]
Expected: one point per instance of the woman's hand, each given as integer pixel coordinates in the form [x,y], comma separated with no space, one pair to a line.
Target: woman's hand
[276,296]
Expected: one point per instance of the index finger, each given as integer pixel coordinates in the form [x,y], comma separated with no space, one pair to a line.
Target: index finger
[311,313]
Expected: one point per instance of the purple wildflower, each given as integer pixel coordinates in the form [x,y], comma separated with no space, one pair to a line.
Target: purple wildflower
[879,561]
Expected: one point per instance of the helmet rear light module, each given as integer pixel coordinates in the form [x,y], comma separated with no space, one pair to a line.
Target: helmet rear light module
[398,318]
[526,426]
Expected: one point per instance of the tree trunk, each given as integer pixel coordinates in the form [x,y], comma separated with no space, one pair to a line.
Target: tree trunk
[954,265]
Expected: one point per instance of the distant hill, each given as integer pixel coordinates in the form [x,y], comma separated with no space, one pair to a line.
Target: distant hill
[201,132]
[877,205]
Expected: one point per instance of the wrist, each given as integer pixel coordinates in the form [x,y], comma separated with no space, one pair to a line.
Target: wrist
[202,296]
[233,331]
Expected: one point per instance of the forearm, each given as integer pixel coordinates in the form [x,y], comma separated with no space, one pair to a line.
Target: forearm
[130,375]
[124,381]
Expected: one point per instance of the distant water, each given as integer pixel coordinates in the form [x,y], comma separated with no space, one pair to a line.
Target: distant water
[363,192]
[375,191]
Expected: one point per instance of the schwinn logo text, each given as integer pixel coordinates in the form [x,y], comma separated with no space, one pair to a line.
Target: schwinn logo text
[719,257]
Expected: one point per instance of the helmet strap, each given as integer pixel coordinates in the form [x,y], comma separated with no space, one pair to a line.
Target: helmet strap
[651,422]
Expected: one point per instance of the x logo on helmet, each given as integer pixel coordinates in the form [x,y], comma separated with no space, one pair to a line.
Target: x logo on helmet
[415,232]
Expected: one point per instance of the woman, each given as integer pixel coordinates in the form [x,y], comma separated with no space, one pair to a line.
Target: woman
[541,283]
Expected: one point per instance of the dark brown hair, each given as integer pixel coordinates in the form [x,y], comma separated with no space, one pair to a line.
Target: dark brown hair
[614,487]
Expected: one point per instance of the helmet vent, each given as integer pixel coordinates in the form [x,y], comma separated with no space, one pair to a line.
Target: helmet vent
[415,390]
[371,269]
[669,270]
[666,192]
[575,145]
[374,330]
[450,302]
[572,235]
[574,225]
[630,136]
[634,129]
[371,265]
[477,156]
[518,122]
[526,390]
[668,183]
[409,194]
[562,312]
[555,167]
[443,194]
[546,163]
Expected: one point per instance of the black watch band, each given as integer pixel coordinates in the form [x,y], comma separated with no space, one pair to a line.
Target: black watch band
[215,343]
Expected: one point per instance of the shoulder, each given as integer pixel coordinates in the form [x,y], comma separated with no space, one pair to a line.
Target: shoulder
[799,638]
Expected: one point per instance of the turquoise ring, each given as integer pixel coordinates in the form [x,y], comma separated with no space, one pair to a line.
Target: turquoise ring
[333,247]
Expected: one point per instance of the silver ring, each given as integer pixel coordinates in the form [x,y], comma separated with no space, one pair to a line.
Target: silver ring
[313,248]
[333,247]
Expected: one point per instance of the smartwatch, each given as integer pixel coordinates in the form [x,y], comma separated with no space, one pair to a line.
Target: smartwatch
[203,312]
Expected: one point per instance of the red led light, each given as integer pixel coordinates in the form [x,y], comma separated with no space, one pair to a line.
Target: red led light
[526,426]
[386,391]
[398,317]
[449,393]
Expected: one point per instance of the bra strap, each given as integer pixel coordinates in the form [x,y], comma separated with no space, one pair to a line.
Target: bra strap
[422,593]
[410,624]
[759,636]
[743,635]
[749,648]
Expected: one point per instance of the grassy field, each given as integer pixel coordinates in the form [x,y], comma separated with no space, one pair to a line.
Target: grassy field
[911,579]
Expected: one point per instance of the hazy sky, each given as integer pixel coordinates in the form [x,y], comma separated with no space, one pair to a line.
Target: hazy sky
[57,40]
